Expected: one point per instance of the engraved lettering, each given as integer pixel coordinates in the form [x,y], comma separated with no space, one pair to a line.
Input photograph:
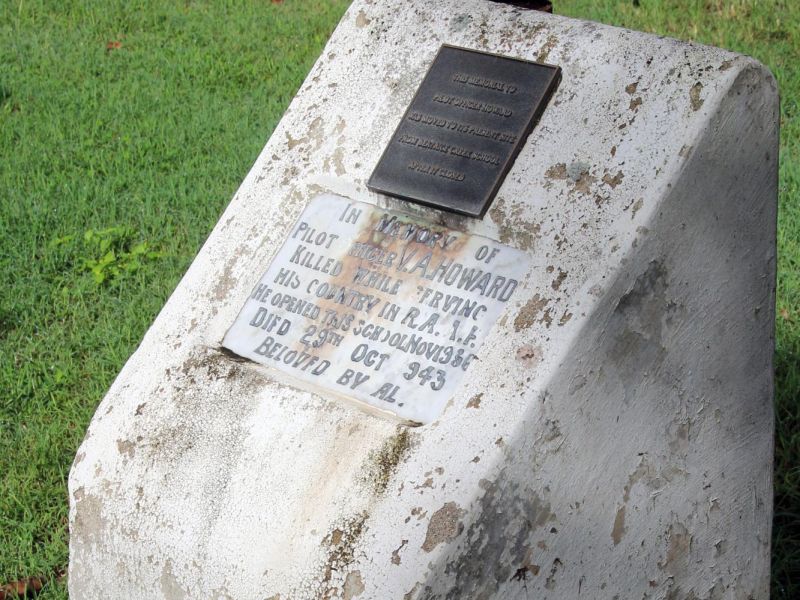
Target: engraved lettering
[476,105]
[354,376]
[462,127]
[386,392]
[390,309]
[483,82]
[261,292]
[267,321]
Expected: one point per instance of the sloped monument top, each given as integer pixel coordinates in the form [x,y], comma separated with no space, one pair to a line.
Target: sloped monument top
[610,435]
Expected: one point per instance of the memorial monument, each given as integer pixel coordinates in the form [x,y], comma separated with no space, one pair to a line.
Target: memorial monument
[490,317]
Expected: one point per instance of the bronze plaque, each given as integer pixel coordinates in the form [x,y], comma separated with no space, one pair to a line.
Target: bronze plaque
[462,131]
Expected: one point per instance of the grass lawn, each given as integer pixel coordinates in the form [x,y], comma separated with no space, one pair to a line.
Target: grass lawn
[125,128]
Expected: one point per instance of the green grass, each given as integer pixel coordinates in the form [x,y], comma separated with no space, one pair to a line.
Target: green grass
[125,128]
[148,139]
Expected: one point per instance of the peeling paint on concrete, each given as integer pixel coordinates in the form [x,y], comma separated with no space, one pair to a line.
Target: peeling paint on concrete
[496,543]
[475,401]
[513,227]
[443,527]
[614,181]
[694,96]
[396,560]
[679,543]
[170,588]
[619,526]
[340,549]
[353,586]
[528,313]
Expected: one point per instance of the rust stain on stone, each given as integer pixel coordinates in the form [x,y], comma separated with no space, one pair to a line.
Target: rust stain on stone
[550,584]
[635,104]
[126,448]
[679,542]
[614,181]
[412,592]
[361,19]
[557,171]
[428,483]
[226,282]
[341,549]
[548,46]
[694,96]
[528,567]
[529,355]
[619,526]
[292,142]
[513,228]
[528,313]
[444,526]
[577,172]
[170,586]
[562,275]
[353,585]
[631,87]
[396,553]
[335,161]
[475,401]
[584,182]
[636,206]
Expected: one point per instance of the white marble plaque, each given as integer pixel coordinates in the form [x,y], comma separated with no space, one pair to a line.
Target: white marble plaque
[377,305]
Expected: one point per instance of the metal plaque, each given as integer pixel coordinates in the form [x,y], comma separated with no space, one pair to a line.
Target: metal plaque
[378,306]
[463,129]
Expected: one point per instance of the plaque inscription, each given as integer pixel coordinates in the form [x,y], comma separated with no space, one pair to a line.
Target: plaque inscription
[377,306]
[462,131]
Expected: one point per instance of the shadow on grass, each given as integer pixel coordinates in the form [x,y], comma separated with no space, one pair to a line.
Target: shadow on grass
[786,520]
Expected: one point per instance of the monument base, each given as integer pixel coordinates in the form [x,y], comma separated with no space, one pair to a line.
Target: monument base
[611,439]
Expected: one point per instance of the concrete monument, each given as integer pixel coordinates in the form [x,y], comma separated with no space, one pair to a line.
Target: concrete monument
[491,324]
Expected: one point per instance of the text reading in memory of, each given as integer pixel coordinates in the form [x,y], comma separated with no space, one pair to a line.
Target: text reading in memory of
[376,305]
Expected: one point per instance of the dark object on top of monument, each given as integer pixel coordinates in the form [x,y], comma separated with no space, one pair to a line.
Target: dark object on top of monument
[542,5]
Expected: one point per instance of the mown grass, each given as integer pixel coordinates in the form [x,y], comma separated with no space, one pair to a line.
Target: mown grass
[125,128]
[135,122]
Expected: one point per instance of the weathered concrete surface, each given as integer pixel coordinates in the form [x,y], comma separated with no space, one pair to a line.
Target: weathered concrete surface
[616,441]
